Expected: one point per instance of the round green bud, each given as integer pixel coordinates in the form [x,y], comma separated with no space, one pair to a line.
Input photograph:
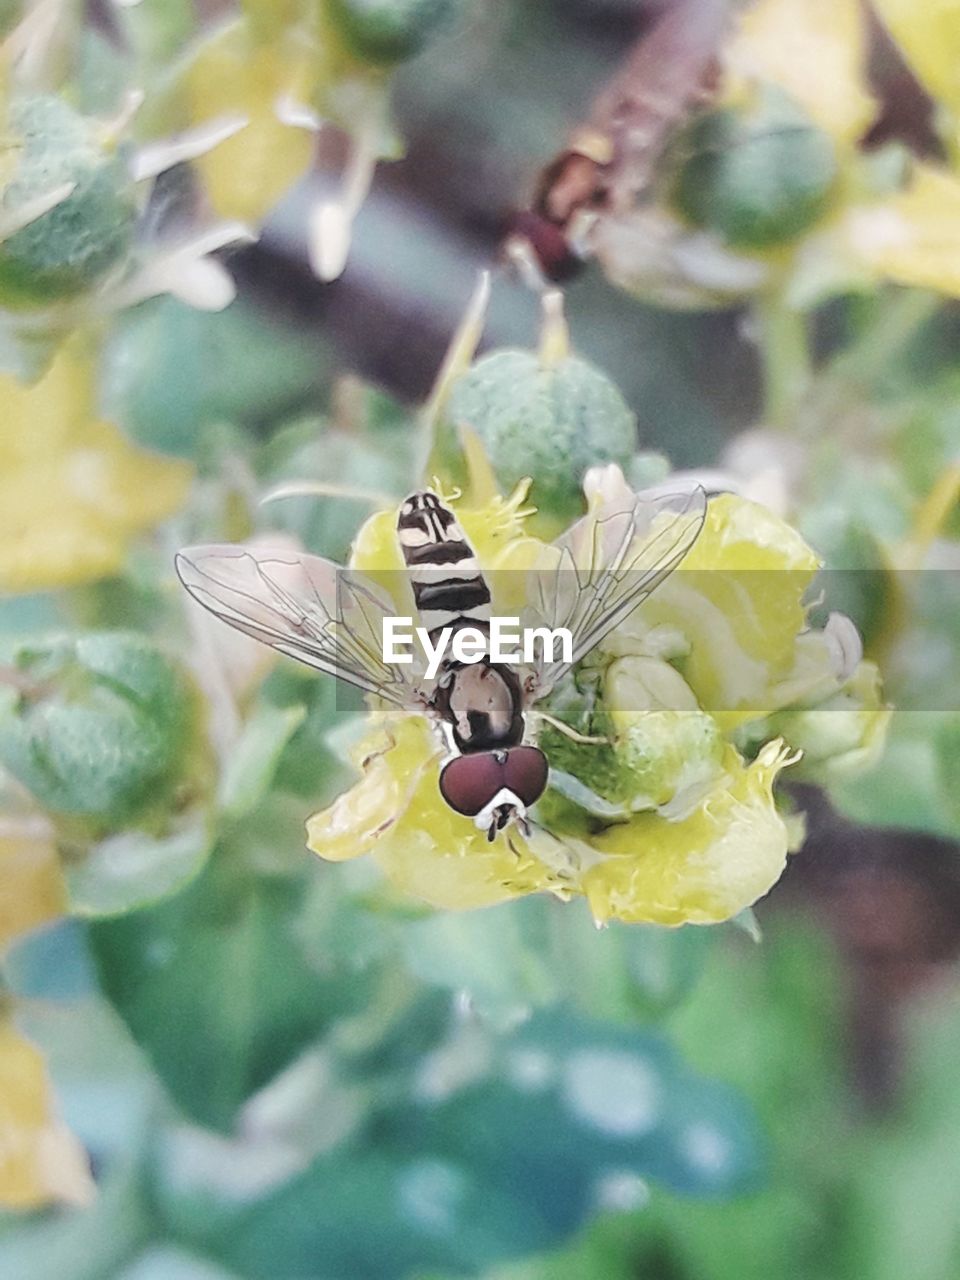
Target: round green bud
[73,245]
[390,30]
[548,422]
[758,175]
[96,725]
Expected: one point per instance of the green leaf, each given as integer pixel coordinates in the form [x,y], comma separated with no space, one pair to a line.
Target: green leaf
[215,984]
[623,972]
[253,761]
[498,957]
[909,787]
[170,370]
[132,869]
[373,1215]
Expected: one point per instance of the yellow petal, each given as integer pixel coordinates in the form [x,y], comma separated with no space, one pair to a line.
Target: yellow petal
[913,237]
[815,50]
[247,174]
[73,490]
[349,827]
[736,603]
[40,1160]
[31,886]
[928,33]
[702,869]
[429,852]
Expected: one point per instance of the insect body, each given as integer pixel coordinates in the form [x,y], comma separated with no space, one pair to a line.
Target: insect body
[332,618]
[494,778]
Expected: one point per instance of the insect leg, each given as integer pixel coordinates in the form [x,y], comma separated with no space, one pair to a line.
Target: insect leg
[585,739]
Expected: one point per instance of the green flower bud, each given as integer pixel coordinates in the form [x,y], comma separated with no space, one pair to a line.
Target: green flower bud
[842,735]
[390,30]
[758,175]
[73,245]
[663,752]
[549,421]
[95,726]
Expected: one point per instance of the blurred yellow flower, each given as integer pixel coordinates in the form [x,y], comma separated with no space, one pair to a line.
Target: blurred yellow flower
[738,603]
[231,72]
[40,1160]
[708,840]
[73,490]
[815,50]
[928,33]
[31,885]
[913,236]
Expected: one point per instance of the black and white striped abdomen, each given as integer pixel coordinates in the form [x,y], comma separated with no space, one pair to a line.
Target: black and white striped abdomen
[448,587]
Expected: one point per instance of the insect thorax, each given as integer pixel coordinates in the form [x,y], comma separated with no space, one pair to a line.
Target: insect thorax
[482,703]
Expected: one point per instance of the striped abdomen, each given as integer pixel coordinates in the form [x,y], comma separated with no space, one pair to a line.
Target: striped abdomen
[448,587]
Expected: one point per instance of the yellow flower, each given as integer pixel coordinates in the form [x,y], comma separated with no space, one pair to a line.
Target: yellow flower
[704,868]
[31,886]
[40,1160]
[708,839]
[815,50]
[231,72]
[912,237]
[928,34]
[73,490]
[396,813]
[736,606]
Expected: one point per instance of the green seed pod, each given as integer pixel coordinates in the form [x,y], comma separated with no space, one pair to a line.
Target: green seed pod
[547,421]
[390,30]
[73,245]
[758,175]
[95,726]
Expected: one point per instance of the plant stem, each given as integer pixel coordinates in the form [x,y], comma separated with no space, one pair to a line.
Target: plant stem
[784,347]
[849,376]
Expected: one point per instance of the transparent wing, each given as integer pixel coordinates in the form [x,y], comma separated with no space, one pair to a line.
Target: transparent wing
[607,564]
[303,606]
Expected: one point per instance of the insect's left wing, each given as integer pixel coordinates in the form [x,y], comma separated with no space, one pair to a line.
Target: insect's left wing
[303,606]
[594,576]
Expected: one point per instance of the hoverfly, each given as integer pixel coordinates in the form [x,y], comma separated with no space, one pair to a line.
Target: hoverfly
[332,619]
[609,162]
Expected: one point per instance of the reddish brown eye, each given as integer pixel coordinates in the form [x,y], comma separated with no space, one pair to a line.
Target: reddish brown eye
[525,773]
[469,783]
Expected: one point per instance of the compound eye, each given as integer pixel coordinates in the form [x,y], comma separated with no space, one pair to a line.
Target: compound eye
[525,773]
[469,783]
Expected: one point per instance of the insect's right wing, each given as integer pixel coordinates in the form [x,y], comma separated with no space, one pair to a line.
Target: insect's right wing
[594,576]
[303,606]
